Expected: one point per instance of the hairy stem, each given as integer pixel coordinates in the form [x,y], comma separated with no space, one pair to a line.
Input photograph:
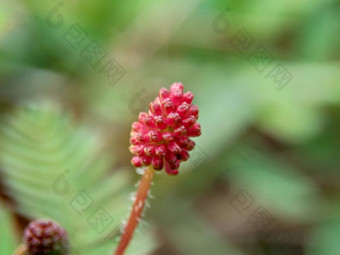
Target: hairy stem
[21,250]
[137,210]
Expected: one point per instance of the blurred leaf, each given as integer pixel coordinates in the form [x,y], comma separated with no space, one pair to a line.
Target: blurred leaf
[325,239]
[191,234]
[291,123]
[283,191]
[320,37]
[55,169]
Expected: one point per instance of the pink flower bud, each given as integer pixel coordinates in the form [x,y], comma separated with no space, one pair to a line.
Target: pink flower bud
[188,97]
[176,98]
[146,160]
[183,109]
[134,140]
[174,147]
[170,158]
[177,86]
[149,150]
[137,149]
[194,110]
[180,131]
[168,106]
[161,150]
[142,137]
[142,116]
[157,163]
[155,136]
[168,137]
[190,145]
[149,121]
[146,119]
[170,171]
[176,93]
[155,108]
[160,122]
[136,161]
[195,130]
[163,93]
[184,155]
[183,141]
[188,122]
[137,126]
[173,119]
[174,165]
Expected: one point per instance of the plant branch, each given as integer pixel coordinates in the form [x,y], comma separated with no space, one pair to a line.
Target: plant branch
[21,250]
[137,210]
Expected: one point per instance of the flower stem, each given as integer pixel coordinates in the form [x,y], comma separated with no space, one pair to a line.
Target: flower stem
[137,210]
[21,250]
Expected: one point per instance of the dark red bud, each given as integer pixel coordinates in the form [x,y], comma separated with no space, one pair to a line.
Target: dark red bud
[183,141]
[146,160]
[183,156]
[161,150]
[45,236]
[170,171]
[157,163]
[171,158]
[190,145]
[175,165]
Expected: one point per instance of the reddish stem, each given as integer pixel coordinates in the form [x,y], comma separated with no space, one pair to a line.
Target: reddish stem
[137,210]
[21,250]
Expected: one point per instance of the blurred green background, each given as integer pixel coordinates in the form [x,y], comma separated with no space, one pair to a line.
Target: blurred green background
[264,178]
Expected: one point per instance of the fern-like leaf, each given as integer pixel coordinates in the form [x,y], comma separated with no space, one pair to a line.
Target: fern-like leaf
[54,168]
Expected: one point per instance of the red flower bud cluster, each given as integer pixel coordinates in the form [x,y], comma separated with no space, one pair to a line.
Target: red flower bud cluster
[161,137]
[45,237]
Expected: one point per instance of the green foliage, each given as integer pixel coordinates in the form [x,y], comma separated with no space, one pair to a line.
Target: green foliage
[54,168]
[281,147]
[324,239]
[298,196]
[7,237]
